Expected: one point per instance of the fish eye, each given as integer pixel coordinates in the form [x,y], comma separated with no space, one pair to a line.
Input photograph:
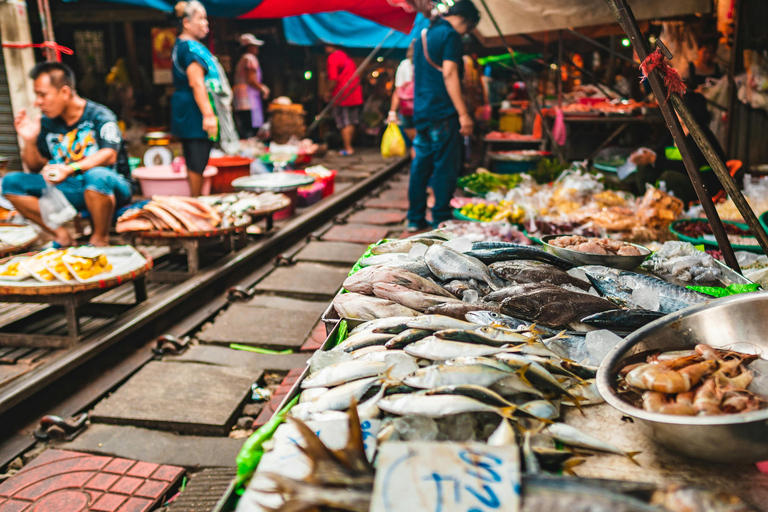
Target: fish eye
[494,314]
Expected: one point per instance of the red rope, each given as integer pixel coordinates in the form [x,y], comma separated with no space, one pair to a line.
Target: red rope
[672,78]
[47,44]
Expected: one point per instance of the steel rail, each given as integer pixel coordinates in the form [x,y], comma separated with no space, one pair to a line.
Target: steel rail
[168,307]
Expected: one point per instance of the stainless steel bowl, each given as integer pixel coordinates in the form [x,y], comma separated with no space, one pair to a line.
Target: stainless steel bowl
[737,323]
[585,258]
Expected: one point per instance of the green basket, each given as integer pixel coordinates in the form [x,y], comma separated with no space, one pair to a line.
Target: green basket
[764,221]
[710,243]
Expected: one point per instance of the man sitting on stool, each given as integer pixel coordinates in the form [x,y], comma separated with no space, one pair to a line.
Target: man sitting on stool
[76,146]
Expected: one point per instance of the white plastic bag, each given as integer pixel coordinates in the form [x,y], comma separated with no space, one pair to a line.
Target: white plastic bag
[55,210]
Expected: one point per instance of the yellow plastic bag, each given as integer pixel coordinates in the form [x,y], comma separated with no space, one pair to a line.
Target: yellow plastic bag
[393,143]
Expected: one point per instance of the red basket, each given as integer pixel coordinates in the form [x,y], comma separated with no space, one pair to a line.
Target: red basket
[328,182]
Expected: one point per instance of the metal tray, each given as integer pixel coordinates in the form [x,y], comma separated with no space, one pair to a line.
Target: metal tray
[585,258]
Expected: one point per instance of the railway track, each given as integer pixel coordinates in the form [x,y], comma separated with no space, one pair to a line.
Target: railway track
[73,380]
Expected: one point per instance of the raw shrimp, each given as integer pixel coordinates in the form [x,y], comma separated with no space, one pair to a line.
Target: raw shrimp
[653,401]
[656,377]
[707,402]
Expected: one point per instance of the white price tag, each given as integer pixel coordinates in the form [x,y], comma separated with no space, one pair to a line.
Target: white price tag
[446,477]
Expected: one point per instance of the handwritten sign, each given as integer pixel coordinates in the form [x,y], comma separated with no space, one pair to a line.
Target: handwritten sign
[286,459]
[446,477]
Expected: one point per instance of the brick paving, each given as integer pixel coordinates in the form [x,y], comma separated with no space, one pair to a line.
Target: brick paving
[65,481]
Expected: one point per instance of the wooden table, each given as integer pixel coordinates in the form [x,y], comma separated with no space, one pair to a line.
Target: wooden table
[75,300]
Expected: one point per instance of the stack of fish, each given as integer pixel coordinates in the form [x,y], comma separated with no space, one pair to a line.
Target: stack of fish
[170,213]
[436,276]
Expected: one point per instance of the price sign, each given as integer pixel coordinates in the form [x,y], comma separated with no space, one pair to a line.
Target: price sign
[446,477]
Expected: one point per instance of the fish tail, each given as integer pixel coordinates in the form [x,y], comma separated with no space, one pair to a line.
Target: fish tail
[577,402]
[631,456]
[508,412]
[522,371]
[570,464]
[387,380]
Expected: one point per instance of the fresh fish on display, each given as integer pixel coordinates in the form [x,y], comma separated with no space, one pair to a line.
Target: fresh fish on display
[362,340]
[552,305]
[381,355]
[386,325]
[534,347]
[504,435]
[516,384]
[417,300]
[460,310]
[435,406]
[494,319]
[523,334]
[619,284]
[336,399]
[479,338]
[565,494]
[365,352]
[535,373]
[364,280]
[519,252]
[526,271]
[532,466]
[554,460]
[415,265]
[448,264]
[403,246]
[587,390]
[440,323]
[435,349]
[340,373]
[363,307]
[572,436]
[406,337]
[474,361]
[540,409]
[451,375]
[622,319]
[458,287]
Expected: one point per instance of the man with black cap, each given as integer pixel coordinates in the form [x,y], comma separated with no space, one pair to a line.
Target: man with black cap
[440,113]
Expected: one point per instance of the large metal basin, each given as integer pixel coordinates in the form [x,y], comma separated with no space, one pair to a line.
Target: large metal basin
[739,323]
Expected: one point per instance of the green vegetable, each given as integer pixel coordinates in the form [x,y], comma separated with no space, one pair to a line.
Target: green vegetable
[483,182]
[547,170]
[732,289]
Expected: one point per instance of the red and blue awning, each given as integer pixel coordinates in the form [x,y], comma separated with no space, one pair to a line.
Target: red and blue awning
[346,29]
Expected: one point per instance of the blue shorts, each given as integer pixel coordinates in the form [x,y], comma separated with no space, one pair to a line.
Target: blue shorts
[406,122]
[100,179]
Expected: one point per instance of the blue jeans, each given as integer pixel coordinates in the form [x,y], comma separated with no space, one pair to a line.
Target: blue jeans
[102,180]
[438,156]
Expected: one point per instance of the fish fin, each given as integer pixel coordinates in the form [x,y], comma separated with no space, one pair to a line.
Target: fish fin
[387,379]
[533,329]
[521,372]
[315,450]
[577,402]
[631,456]
[572,463]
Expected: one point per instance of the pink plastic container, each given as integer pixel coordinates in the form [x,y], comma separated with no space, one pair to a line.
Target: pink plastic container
[163,180]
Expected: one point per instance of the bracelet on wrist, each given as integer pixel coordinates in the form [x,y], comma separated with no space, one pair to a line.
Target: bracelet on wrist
[75,168]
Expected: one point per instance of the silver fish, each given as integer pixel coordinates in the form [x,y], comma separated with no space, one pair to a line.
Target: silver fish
[440,323]
[367,351]
[541,409]
[338,398]
[355,305]
[504,435]
[369,409]
[479,337]
[407,337]
[383,355]
[415,265]
[572,436]
[366,278]
[535,373]
[413,299]
[436,406]
[516,384]
[435,349]
[531,462]
[361,340]
[587,390]
[503,335]
[448,264]
[402,246]
[451,375]
[387,325]
[339,373]
[473,361]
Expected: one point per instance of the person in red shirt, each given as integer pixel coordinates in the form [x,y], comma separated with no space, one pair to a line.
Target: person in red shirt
[349,104]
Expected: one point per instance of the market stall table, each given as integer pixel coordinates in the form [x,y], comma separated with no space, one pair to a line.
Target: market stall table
[75,299]
[620,122]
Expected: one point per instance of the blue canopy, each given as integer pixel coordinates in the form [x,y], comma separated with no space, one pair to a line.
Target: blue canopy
[345,29]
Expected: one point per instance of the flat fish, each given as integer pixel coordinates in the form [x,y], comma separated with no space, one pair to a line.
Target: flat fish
[447,264]
[519,252]
[552,305]
[527,271]
[363,307]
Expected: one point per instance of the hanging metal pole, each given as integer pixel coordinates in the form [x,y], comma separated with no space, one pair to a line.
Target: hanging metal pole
[528,88]
[624,15]
[344,88]
[559,69]
[611,51]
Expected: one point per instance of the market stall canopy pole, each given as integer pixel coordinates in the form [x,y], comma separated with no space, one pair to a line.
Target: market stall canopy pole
[627,20]
[597,44]
[528,88]
[343,90]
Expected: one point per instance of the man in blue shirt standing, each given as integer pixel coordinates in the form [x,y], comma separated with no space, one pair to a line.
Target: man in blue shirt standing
[440,113]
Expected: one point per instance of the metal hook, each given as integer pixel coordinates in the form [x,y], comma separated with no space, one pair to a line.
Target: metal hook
[56,427]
